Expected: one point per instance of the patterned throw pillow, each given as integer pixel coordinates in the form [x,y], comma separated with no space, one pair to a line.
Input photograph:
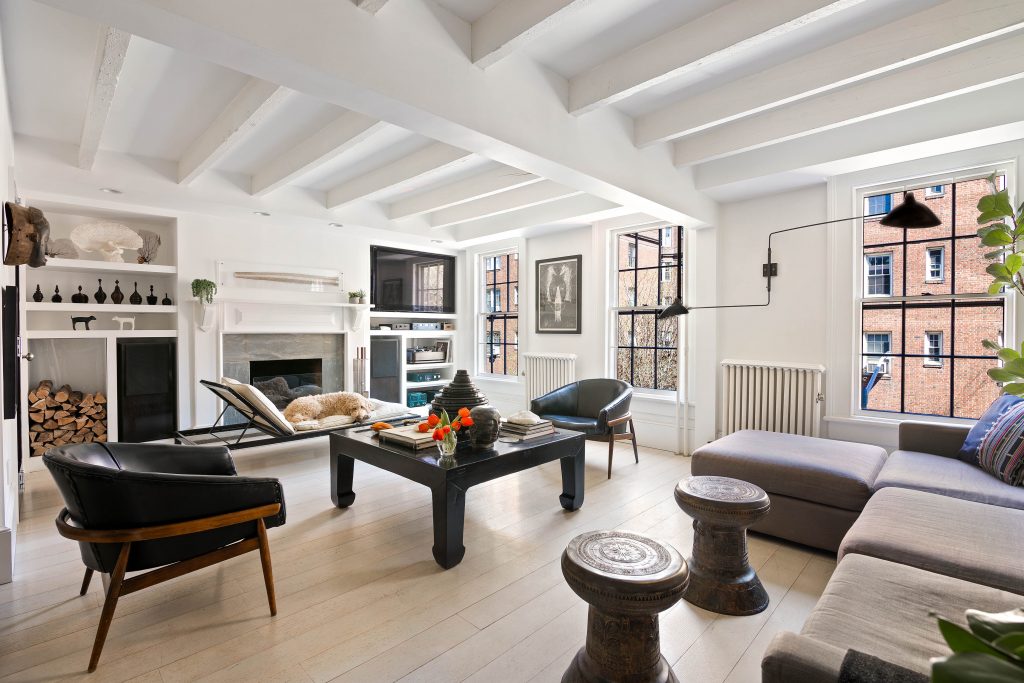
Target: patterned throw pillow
[969,451]
[1002,450]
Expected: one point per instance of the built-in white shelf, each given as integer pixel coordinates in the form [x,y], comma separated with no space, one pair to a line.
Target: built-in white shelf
[414,334]
[414,316]
[107,266]
[92,307]
[97,334]
[421,385]
[427,366]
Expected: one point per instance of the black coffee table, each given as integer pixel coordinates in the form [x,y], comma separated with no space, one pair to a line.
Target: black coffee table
[448,486]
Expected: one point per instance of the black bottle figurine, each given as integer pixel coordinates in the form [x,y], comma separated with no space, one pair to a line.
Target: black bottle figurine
[135,299]
[80,297]
[100,296]
[117,296]
[38,296]
[167,300]
[151,299]
[56,298]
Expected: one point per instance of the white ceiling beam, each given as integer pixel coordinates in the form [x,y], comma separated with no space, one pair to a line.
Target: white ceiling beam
[580,207]
[342,134]
[429,159]
[402,67]
[633,220]
[929,125]
[253,103]
[371,6]
[942,78]
[110,54]
[511,24]
[924,35]
[504,202]
[717,35]
[477,187]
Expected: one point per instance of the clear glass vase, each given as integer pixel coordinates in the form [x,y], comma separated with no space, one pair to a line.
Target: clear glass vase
[446,449]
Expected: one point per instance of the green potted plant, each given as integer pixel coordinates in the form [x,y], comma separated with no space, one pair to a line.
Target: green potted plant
[358,297]
[1003,230]
[203,291]
[990,650]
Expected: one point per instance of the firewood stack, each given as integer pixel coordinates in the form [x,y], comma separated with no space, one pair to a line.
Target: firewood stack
[64,416]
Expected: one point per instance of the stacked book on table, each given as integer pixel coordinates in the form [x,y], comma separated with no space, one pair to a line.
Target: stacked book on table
[408,436]
[527,431]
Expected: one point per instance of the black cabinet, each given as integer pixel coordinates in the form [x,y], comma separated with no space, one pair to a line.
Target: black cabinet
[386,369]
[147,389]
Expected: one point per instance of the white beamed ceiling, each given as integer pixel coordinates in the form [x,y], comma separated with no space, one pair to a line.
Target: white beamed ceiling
[471,119]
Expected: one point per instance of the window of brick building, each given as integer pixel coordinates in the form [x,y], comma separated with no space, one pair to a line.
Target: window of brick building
[648,266]
[499,314]
[935,264]
[925,309]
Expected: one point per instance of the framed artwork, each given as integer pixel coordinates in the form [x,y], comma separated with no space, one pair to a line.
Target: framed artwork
[558,295]
[445,348]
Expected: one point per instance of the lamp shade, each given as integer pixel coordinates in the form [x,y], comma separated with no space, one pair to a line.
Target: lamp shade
[911,214]
[676,308]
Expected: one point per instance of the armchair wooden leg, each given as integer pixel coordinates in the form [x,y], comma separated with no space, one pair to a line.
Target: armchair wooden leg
[268,570]
[107,615]
[611,451]
[632,437]
[85,581]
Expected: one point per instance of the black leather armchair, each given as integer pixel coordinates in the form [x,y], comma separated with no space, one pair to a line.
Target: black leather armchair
[166,508]
[597,407]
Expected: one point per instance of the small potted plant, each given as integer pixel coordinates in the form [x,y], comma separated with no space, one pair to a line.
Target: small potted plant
[203,291]
[358,297]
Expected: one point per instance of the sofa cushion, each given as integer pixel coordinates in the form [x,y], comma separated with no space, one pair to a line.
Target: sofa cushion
[959,538]
[1002,450]
[947,476]
[882,608]
[969,451]
[836,473]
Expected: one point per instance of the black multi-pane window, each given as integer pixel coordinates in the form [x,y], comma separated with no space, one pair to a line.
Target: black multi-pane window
[499,317]
[648,268]
[925,310]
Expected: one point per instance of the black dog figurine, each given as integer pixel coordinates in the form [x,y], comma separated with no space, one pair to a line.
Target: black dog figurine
[83,319]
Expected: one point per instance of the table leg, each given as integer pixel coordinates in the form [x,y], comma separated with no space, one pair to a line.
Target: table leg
[449,503]
[573,468]
[341,480]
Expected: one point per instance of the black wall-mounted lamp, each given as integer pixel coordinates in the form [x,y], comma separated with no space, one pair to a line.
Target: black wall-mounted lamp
[910,215]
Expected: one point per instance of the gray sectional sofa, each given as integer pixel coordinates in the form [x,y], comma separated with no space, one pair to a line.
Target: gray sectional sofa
[933,534]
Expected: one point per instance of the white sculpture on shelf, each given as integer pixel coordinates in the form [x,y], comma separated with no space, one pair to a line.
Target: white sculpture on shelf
[130,322]
[109,239]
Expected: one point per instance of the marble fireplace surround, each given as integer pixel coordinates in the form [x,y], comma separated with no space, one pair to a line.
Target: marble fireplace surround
[240,349]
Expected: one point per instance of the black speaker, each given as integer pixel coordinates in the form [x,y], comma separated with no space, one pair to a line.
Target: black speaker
[385,369]
[147,394]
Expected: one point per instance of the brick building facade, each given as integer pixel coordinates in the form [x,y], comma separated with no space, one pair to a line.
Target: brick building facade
[929,355]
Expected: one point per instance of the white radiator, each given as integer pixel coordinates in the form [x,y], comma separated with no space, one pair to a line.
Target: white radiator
[546,372]
[775,397]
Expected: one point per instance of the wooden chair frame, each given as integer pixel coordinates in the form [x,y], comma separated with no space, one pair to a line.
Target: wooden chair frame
[613,437]
[118,585]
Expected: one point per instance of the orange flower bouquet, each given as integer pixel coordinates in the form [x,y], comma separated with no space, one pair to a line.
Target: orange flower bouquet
[446,430]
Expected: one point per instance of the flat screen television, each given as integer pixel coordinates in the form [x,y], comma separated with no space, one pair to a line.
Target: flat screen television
[403,281]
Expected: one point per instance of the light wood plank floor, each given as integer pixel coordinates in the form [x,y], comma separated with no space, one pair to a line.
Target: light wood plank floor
[361,599]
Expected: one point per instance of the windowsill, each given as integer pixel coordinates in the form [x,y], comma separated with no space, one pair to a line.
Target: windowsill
[660,397]
[931,365]
[506,379]
[869,418]
[935,282]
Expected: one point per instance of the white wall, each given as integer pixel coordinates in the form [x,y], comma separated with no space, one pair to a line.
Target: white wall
[8,428]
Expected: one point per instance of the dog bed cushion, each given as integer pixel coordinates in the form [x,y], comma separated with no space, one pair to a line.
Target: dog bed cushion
[379,410]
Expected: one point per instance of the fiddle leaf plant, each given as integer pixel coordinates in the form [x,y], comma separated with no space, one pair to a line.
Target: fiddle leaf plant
[990,650]
[1003,229]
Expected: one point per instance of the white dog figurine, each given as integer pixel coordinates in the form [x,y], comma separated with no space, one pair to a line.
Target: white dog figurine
[130,322]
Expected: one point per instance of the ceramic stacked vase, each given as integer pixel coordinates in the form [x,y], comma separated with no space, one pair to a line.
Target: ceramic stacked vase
[461,393]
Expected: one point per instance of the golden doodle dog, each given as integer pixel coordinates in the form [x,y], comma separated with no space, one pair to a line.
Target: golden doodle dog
[306,408]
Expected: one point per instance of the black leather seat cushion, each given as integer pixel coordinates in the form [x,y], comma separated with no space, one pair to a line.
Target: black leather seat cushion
[587,425]
[126,486]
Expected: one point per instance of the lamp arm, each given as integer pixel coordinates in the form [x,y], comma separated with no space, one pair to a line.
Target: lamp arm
[770,269]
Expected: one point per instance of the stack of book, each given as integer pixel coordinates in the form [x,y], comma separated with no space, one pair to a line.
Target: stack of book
[409,437]
[525,432]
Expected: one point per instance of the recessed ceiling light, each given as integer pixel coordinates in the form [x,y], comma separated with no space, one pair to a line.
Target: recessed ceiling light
[110,190]
[437,241]
[260,213]
[336,225]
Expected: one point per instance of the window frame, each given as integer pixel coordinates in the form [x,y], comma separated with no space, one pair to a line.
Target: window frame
[941,277]
[867,274]
[616,310]
[484,335]
[931,193]
[1007,301]
[884,358]
[933,360]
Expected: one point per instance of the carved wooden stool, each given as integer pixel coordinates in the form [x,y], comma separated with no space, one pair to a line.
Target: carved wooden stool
[721,578]
[627,579]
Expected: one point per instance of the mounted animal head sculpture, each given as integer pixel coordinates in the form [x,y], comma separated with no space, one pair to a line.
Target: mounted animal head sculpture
[29,234]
